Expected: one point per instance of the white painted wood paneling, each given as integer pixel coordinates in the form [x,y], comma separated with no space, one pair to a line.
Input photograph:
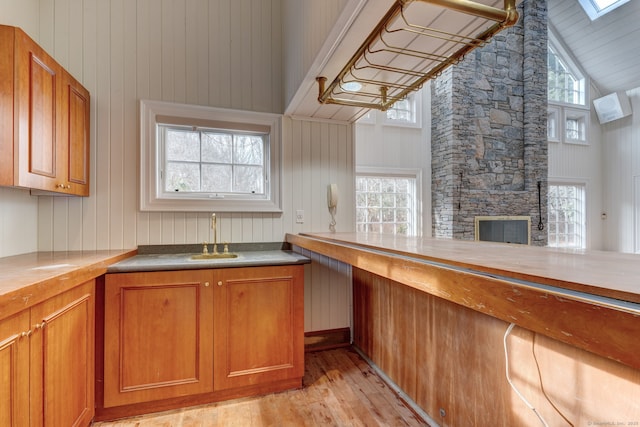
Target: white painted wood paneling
[18,221]
[18,209]
[384,146]
[621,154]
[605,47]
[582,164]
[183,51]
[307,24]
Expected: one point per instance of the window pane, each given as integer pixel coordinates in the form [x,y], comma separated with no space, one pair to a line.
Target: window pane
[248,179]
[183,146]
[230,163]
[216,178]
[385,204]
[248,150]
[182,177]
[567,220]
[216,147]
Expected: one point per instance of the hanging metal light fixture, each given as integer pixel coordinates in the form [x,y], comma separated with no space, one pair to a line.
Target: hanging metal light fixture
[414,42]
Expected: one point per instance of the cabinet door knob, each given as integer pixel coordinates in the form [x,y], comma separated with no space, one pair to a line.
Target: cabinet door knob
[40,325]
[219,282]
[68,186]
[206,284]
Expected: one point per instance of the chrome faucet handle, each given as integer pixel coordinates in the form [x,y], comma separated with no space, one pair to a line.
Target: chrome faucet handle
[205,249]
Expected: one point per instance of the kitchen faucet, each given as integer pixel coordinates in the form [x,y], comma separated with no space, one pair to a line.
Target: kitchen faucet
[214,227]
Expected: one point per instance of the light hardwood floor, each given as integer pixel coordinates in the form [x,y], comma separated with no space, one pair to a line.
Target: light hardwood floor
[339,389]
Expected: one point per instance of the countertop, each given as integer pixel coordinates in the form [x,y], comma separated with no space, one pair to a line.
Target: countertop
[31,278]
[608,274]
[183,261]
[587,299]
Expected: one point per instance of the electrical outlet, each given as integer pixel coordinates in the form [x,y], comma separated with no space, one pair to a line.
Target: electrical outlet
[300,216]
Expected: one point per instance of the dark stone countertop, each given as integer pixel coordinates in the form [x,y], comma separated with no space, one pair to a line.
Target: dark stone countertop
[179,257]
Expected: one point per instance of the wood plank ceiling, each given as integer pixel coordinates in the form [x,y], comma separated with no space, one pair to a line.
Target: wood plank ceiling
[607,48]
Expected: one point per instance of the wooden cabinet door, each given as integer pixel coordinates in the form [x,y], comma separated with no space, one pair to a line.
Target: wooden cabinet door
[62,359]
[14,370]
[157,338]
[37,100]
[258,326]
[76,106]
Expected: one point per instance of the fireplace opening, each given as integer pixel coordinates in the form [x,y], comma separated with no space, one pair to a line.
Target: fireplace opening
[504,229]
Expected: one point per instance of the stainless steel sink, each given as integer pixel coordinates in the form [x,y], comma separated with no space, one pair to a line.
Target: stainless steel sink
[215,255]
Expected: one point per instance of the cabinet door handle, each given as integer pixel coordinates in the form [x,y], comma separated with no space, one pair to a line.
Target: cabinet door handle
[40,325]
[26,334]
[219,282]
[206,284]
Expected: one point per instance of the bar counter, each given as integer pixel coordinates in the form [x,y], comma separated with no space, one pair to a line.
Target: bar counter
[587,299]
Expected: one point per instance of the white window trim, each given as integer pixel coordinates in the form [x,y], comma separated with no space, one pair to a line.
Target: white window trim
[572,63]
[557,113]
[150,185]
[399,172]
[584,114]
[594,13]
[416,97]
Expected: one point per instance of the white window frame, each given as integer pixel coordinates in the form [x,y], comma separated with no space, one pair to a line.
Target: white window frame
[594,11]
[373,117]
[398,173]
[151,191]
[554,113]
[582,117]
[564,110]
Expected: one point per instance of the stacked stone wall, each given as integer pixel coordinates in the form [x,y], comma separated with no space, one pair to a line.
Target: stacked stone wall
[489,131]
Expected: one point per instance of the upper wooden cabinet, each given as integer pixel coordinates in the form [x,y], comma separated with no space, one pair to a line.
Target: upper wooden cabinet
[44,113]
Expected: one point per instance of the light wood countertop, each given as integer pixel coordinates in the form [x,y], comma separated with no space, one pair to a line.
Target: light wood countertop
[608,274]
[28,279]
[587,299]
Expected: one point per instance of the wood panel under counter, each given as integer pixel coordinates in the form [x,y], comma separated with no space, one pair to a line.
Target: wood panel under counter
[432,314]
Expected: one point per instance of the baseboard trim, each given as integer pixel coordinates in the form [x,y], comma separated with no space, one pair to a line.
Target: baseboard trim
[327,339]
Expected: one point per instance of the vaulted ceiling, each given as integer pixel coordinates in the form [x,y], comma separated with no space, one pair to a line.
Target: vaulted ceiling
[607,48]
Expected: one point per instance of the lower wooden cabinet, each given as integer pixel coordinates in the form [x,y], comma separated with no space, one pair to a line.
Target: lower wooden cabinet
[157,339]
[47,362]
[201,332]
[259,326]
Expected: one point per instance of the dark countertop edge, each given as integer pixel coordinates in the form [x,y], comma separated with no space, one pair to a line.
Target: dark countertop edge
[204,266]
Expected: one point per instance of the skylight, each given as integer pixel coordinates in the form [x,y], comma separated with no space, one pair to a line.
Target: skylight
[598,8]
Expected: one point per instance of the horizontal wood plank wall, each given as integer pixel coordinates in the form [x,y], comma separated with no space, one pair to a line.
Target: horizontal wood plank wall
[450,360]
[225,53]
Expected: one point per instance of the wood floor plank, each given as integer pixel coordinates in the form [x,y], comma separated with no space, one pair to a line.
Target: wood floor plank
[339,389]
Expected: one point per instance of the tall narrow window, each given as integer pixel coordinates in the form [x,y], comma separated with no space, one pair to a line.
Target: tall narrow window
[567,218]
[386,204]
[568,109]
[564,84]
